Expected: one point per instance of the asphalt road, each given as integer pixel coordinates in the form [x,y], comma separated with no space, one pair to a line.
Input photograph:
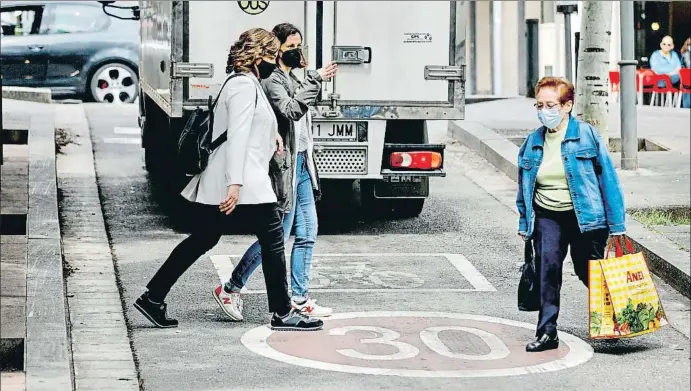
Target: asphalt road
[422,304]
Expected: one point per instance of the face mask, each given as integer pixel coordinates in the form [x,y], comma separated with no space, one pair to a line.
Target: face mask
[292,58]
[265,69]
[550,118]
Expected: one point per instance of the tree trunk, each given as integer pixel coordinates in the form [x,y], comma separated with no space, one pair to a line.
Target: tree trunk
[592,84]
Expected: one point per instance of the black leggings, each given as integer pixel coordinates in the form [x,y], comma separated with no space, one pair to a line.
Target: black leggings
[208,229]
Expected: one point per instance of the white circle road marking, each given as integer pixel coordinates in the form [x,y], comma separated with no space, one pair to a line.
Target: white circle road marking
[497,348]
[579,352]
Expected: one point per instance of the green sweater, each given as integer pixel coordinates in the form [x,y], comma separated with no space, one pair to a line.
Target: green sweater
[552,190]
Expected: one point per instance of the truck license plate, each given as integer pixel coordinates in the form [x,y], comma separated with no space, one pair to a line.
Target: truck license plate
[335,131]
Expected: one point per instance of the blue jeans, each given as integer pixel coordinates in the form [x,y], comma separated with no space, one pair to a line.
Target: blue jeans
[303,217]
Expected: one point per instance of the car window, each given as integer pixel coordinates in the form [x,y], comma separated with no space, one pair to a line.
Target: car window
[21,20]
[76,18]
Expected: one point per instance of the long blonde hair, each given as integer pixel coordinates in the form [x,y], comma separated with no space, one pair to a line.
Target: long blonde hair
[252,44]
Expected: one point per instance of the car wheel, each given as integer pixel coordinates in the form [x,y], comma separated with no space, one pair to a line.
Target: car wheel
[114,83]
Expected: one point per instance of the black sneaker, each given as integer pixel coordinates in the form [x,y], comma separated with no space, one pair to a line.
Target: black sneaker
[156,313]
[295,321]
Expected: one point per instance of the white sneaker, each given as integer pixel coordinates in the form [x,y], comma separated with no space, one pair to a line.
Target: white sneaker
[231,303]
[310,308]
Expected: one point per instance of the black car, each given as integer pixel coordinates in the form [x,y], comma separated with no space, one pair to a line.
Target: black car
[71,47]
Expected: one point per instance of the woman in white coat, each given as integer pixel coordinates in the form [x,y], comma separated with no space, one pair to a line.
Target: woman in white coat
[236,180]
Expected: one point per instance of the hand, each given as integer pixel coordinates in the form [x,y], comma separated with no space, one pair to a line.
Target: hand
[228,204]
[522,235]
[328,71]
[279,144]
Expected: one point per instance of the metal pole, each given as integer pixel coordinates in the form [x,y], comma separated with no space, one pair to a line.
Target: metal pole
[497,47]
[627,89]
[471,83]
[522,43]
[567,45]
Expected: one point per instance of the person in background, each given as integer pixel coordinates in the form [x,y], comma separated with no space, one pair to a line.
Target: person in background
[666,61]
[236,180]
[686,57]
[569,198]
[294,176]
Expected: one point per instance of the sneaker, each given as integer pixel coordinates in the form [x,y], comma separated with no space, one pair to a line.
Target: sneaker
[231,303]
[155,312]
[310,308]
[295,321]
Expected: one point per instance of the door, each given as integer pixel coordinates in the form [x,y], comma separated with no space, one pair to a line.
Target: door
[72,29]
[210,20]
[22,46]
[388,45]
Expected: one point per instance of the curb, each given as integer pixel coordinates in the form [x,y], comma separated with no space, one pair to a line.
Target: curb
[47,357]
[664,257]
[41,95]
[102,354]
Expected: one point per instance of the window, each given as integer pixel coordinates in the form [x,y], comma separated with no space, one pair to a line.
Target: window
[21,21]
[76,18]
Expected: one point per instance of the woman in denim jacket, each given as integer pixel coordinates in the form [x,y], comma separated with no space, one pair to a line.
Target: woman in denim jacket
[569,196]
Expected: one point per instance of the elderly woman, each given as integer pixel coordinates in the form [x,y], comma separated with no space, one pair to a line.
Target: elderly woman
[569,197]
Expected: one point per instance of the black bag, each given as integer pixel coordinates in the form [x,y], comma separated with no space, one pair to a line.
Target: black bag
[195,144]
[528,287]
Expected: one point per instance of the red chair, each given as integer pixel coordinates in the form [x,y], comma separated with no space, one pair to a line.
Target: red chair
[684,84]
[645,80]
[614,83]
[668,91]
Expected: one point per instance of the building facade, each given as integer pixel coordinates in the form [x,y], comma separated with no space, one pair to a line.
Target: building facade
[501,56]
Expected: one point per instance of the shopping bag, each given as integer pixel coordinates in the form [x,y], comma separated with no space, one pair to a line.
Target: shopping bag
[624,302]
[528,288]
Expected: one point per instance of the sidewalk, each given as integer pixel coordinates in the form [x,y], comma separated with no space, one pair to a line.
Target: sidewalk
[34,310]
[657,194]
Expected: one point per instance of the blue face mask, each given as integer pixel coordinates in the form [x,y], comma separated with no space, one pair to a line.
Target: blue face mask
[550,118]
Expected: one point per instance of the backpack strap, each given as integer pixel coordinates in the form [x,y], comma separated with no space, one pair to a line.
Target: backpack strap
[224,136]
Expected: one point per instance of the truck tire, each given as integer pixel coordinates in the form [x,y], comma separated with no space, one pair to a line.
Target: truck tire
[155,126]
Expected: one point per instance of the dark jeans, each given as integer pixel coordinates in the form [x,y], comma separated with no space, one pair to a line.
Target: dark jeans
[555,232]
[266,225]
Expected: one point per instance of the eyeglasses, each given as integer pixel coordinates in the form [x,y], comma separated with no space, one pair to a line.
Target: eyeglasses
[541,106]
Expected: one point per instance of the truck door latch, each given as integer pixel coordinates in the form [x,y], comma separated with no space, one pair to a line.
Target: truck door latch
[333,110]
[443,72]
[187,69]
[351,54]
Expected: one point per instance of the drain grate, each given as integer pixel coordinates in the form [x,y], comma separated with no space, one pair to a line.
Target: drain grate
[13,224]
[15,136]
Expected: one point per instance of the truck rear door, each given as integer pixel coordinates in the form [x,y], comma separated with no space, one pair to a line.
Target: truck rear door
[214,26]
[395,54]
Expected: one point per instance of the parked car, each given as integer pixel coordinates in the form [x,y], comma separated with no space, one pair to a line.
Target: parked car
[71,47]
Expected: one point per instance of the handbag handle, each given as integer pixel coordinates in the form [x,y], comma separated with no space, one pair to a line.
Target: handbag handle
[618,250]
[528,251]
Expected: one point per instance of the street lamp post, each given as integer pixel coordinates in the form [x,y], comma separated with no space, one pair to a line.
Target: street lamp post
[627,89]
[567,8]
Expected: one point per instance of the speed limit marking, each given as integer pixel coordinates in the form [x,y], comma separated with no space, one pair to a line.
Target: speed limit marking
[418,344]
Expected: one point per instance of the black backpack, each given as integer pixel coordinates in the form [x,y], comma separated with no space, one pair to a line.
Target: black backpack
[195,144]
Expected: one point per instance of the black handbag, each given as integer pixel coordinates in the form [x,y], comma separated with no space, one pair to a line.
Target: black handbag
[528,287]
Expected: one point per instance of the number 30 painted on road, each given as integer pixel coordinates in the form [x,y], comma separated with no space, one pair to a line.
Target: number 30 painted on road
[428,336]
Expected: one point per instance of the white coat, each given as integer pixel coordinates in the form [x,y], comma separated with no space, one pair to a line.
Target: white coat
[244,158]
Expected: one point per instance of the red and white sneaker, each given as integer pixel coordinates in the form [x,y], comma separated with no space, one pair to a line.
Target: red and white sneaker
[310,308]
[231,303]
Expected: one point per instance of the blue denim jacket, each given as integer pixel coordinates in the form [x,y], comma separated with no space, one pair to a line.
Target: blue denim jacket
[597,196]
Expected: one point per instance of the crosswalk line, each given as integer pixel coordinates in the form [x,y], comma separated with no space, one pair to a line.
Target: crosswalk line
[122,140]
[121,130]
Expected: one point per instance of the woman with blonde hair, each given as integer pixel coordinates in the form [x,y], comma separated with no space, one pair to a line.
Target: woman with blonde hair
[236,180]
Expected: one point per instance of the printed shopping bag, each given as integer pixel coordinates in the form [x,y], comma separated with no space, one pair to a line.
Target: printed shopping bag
[528,291]
[623,299]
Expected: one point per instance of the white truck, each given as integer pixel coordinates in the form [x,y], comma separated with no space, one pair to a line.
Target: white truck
[401,64]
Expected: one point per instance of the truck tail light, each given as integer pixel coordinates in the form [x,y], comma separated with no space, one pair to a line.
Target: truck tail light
[416,160]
